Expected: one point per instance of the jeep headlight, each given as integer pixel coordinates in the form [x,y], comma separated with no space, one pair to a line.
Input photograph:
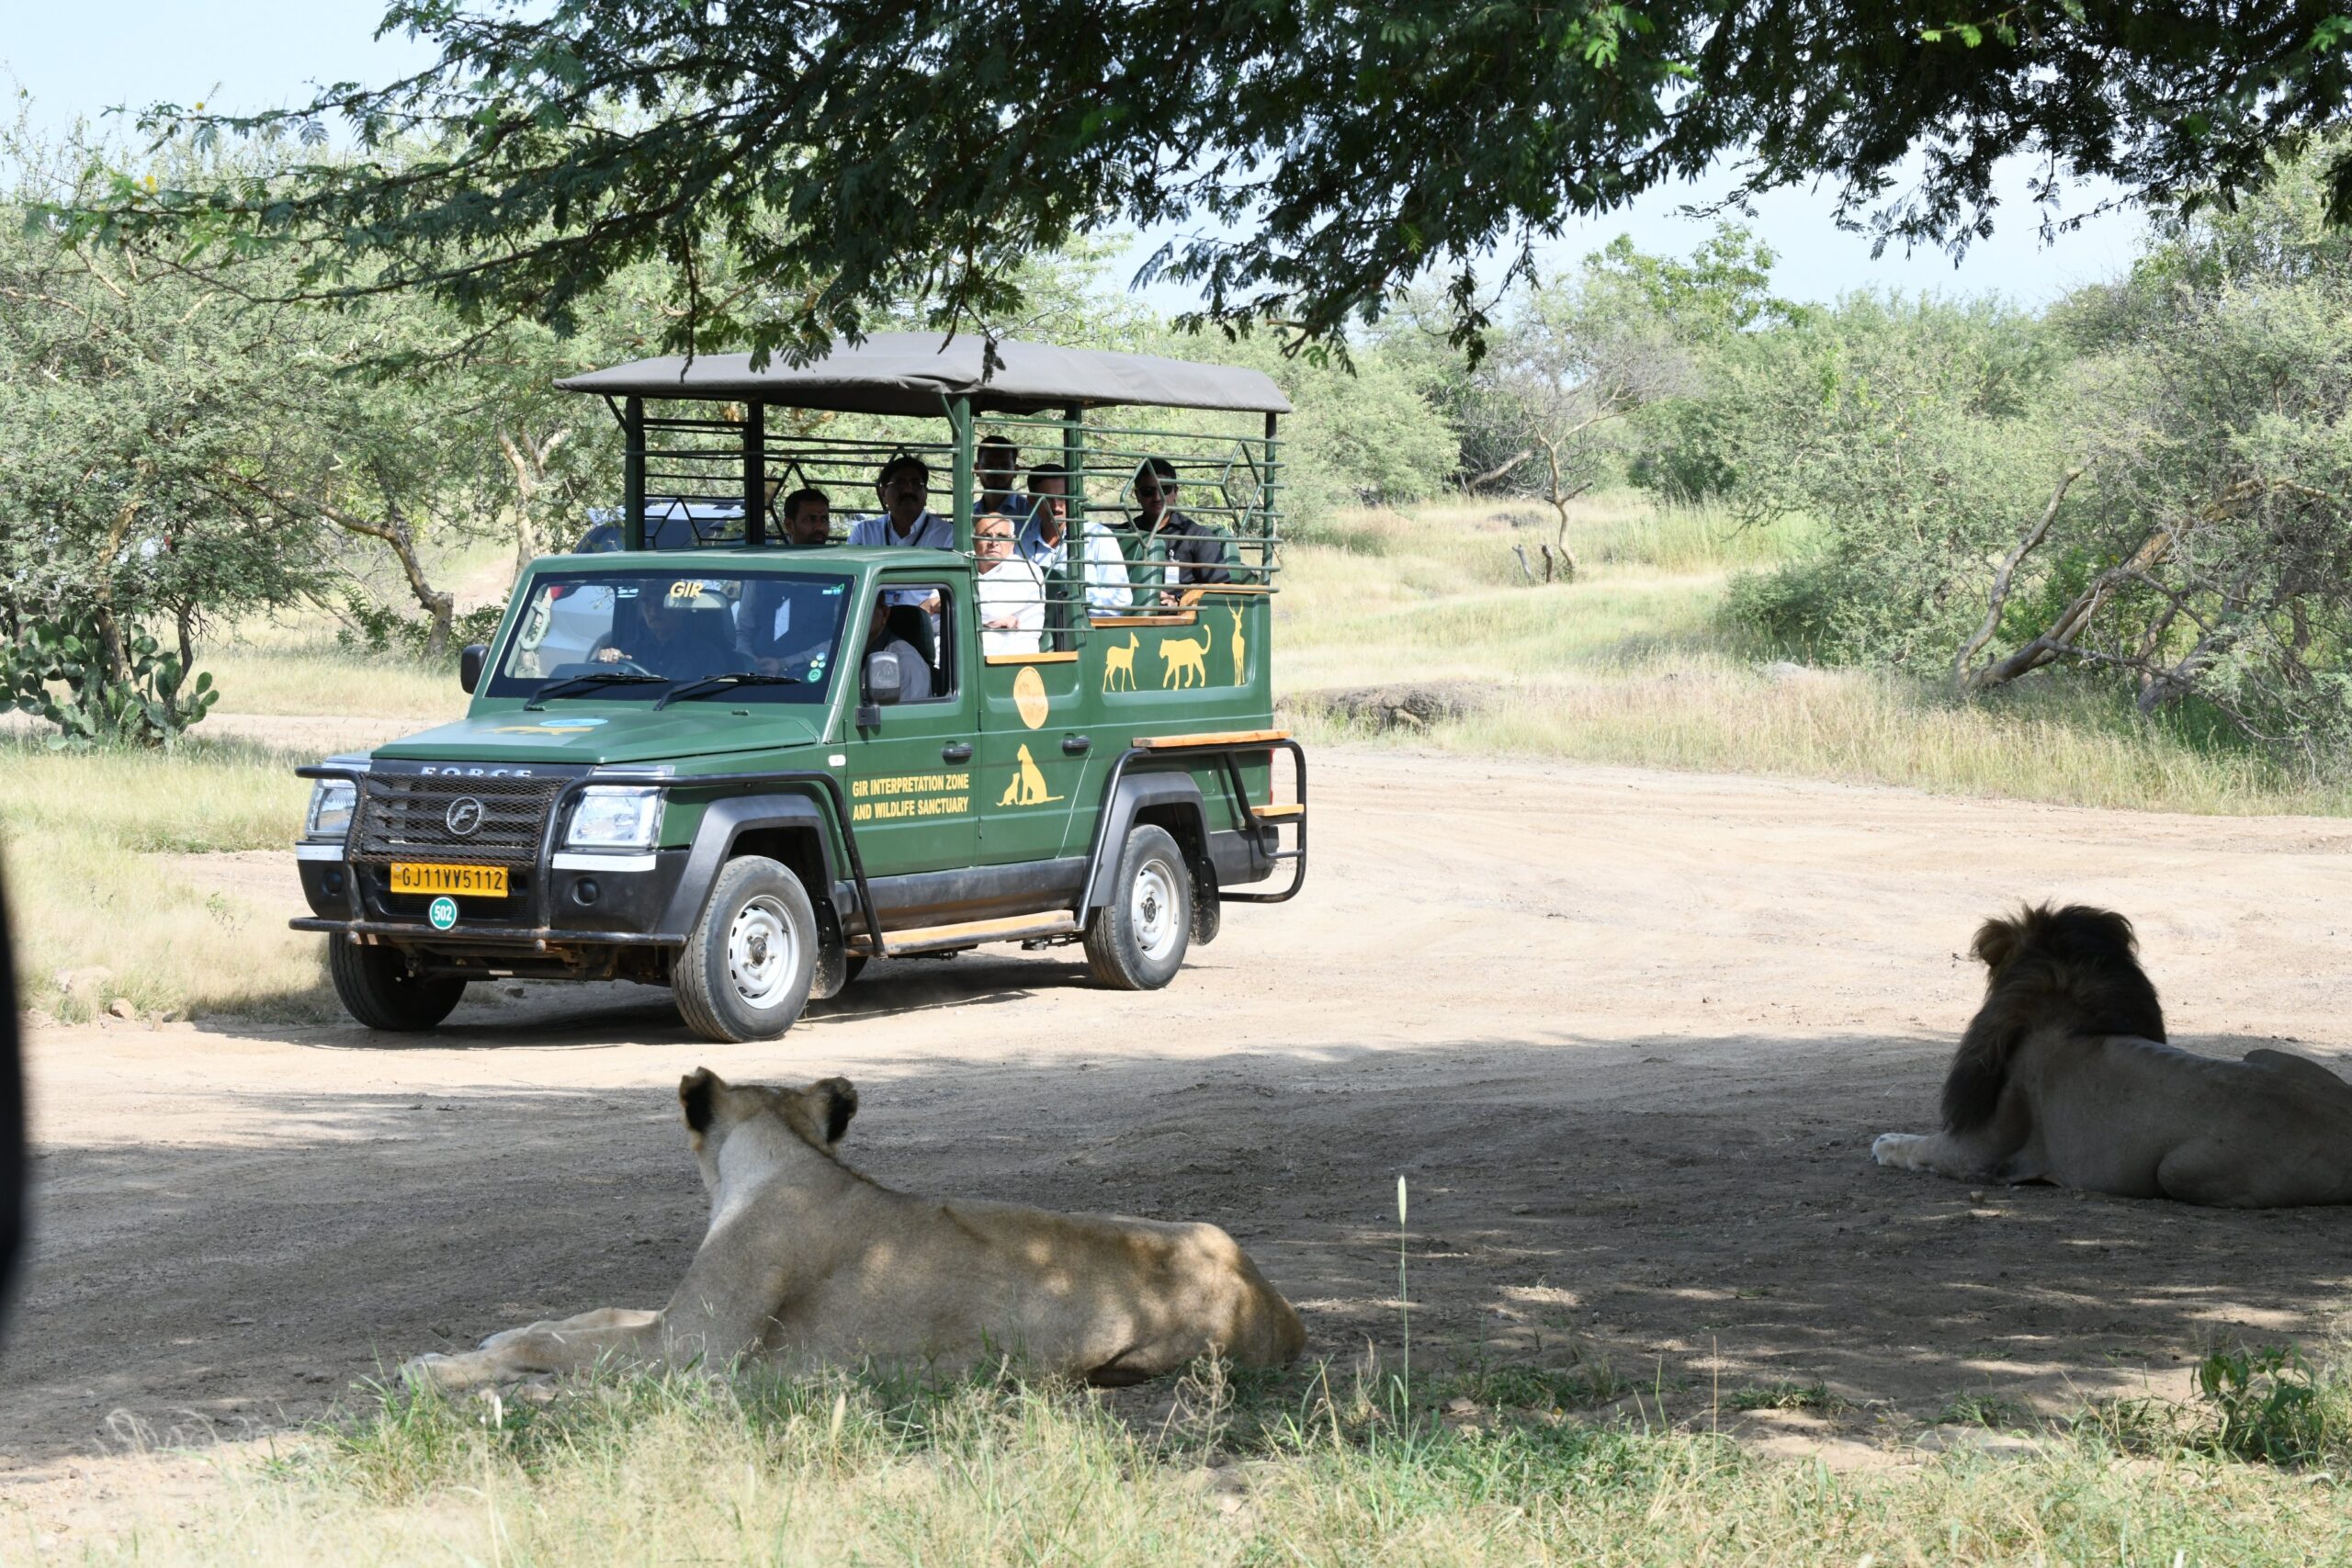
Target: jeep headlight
[330,814]
[610,816]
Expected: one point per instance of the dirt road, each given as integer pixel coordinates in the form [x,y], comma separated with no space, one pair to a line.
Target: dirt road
[1628,1034]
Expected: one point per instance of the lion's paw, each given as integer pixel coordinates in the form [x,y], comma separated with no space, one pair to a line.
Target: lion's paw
[1894,1148]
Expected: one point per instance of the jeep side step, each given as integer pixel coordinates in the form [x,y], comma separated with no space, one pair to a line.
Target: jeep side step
[1010,927]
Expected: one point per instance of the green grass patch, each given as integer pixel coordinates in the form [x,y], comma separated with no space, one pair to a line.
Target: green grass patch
[1584,1386]
[1982,1410]
[1307,1466]
[2268,1404]
[1812,1396]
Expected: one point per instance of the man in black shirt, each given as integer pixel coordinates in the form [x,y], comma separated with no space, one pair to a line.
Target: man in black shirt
[1172,552]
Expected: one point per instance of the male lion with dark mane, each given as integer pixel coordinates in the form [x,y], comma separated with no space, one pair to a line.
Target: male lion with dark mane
[2064,1076]
[806,1262]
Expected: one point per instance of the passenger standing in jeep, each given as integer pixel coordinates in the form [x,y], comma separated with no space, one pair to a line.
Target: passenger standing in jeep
[1172,552]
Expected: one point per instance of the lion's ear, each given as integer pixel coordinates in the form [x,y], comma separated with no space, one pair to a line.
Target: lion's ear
[839,1099]
[697,1091]
[1997,942]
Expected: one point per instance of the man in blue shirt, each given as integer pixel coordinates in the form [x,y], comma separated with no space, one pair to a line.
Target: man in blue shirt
[1045,543]
[904,487]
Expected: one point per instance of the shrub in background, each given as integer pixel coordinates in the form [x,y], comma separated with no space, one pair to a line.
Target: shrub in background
[97,689]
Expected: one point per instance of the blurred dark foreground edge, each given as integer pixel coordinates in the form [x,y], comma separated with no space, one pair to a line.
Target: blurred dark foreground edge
[12,1127]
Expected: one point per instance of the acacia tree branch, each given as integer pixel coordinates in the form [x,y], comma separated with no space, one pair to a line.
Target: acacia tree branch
[1501,470]
[439,605]
[2059,640]
[1998,599]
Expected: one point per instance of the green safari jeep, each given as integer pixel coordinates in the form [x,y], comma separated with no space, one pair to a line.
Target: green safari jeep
[744,768]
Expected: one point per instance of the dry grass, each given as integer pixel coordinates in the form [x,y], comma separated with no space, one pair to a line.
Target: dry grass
[86,837]
[297,668]
[1633,664]
[1308,1468]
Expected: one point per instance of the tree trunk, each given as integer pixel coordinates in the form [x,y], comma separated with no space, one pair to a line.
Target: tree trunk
[2059,640]
[529,463]
[1559,500]
[113,660]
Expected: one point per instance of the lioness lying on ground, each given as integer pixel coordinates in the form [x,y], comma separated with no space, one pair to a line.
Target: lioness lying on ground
[2064,1076]
[807,1261]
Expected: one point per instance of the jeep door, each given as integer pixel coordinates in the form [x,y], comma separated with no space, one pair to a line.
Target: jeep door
[1039,771]
[909,776]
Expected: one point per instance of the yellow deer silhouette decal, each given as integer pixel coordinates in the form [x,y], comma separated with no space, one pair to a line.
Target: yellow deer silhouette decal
[1117,661]
[1028,785]
[1185,659]
[1240,650]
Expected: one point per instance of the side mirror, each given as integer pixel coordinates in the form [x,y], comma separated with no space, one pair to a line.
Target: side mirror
[469,663]
[882,685]
[883,679]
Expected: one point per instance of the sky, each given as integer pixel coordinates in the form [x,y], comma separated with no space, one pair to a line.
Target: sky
[251,54]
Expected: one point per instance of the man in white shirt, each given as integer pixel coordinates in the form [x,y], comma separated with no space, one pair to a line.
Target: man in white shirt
[904,487]
[1009,597]
[1045,543]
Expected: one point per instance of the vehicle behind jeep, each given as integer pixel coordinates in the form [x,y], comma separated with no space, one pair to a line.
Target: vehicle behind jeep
[745,769]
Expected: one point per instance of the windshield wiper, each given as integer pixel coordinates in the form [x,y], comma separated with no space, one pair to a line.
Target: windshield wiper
[709,683]
[595,677]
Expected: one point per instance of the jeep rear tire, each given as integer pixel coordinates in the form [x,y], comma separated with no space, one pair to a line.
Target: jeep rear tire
[1135,941]
[378,991]
[746,971]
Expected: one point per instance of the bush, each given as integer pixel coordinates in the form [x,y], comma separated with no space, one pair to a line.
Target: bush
[133,693]
[1921,437]
[373,628]
[2270,1405]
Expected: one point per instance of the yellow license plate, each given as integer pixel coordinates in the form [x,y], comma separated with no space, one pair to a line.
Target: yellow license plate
[480,881]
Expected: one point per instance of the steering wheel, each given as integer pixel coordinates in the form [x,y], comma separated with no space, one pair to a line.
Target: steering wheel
[623,667]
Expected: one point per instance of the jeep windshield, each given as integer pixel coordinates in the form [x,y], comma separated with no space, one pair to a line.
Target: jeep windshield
[634,637]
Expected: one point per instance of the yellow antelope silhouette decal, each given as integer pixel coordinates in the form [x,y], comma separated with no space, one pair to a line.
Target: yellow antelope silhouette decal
[1028,785]
[1240,650]
[1185,659]
[1119,661]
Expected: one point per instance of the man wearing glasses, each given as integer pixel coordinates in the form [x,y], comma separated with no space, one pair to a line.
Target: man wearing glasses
[904,489]
[1172,551]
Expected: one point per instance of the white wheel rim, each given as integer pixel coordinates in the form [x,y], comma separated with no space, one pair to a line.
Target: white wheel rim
[1152,908]
[763,953]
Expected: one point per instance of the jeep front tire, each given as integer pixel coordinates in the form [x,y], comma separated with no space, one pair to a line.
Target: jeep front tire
[747,966]
[1135,941]
[378,990]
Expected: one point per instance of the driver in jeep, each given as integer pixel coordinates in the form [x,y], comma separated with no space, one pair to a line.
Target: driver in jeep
[673,640]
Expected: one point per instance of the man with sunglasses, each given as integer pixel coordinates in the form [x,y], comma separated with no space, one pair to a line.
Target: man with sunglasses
[1172,551]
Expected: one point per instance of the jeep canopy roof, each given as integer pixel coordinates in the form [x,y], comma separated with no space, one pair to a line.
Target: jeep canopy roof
[918,374]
